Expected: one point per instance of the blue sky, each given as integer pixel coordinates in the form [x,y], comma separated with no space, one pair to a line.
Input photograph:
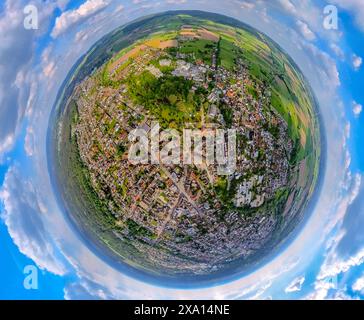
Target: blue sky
[327,258]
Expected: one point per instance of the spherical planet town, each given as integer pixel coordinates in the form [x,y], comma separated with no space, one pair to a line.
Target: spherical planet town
[165,76]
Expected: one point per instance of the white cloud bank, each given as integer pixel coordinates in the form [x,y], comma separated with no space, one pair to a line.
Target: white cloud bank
[335,265]
[72,17]
[23,217]
[17,56]
[359,285]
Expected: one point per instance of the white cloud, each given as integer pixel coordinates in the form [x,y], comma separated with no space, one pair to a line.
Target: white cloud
[342,295]
[72,17]
[321,289]
[359,284]
[295,285]
[49,66]
[18,86]
[337,50]
[138,1]
[305,31]
[324,66]
[357,108]
[334,265]
[86,290]
[337,266]
[355,7]
[357,61]
[6,145]
[16,55]
[49,69]
[23,217]
[307,16]
[247,5]
[176,1]
[288,6]
[119,8]
[81,36]
[29,142]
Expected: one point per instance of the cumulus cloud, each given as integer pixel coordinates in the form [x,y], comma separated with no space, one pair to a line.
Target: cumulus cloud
[305,31]
[357,61]
[23,217]
[357,108]
[295,285]
[71,17]
[358,285]
[335,263]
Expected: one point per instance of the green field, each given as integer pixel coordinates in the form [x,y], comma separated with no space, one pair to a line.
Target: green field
[202,49]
